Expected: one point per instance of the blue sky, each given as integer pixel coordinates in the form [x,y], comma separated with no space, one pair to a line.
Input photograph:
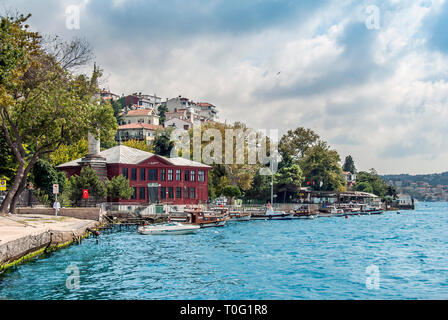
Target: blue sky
[377,94]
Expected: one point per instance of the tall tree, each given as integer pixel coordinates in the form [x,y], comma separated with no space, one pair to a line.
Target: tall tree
[349,164]
[44,175]
[161,110]
[289,179]
[8,163]
[371,181]
[321,165]
[162,143]
[296,142]
[42,103]
[67,153]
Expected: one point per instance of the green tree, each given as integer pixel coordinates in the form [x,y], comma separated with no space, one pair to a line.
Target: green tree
[43,104]
[8,163]
[67,153]
[88,179]
[118,188]
[296,142]
[261,188]
[231,192]
[378,186]
[44,175]
[349,164]
[289,179]
[364,186]
[138,144]
[161,110]
[118,106]
[321,164]
[162,143]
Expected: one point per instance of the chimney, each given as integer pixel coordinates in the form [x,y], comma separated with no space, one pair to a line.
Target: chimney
[93,145]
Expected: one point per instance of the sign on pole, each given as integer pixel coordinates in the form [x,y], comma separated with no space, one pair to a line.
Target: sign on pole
[55,188]
[85,194]
[2,185]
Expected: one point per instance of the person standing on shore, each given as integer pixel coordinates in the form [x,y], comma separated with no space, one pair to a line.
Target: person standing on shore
[56,207]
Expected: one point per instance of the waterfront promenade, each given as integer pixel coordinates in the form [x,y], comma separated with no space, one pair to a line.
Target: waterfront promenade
[23,236]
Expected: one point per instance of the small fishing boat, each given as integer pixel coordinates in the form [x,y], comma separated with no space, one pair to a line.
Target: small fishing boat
[367,210]
[270,214]
[167,228]
[303,216]
[238,216]
[303,212]
[205,219]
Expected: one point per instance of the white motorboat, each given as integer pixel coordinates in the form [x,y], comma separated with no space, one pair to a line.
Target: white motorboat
[272,215]
[168,228]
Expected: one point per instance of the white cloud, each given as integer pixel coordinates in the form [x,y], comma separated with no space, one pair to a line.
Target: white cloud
[379,95]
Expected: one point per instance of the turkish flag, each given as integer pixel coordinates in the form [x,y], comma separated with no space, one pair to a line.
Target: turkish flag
[85,194]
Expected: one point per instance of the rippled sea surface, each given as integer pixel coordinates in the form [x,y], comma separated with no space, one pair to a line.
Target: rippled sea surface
[325,258]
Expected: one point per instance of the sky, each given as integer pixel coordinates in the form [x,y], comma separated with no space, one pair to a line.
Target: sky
[370,77]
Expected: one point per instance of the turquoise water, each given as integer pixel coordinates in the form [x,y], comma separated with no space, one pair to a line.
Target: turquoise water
[324,258]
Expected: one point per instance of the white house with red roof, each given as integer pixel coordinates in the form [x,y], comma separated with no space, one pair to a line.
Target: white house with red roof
[147,116]
[137,131]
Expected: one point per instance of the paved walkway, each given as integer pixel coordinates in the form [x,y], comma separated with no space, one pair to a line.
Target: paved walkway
[13,227]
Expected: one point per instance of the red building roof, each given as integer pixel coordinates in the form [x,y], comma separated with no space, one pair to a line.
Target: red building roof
[140,112]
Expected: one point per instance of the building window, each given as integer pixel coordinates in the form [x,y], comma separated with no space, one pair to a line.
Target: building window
[201,176]
[187,192]
[170,175]
[125,173]
[152,174]
[134,173]
[187,175]
[142,174]
[134,195]
[162,175]
[142,193]
[162,192]
[192,193]
[178,192]
[171,192]
[192,175]
[178,175]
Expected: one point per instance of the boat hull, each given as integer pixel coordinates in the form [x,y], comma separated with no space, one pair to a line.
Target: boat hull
[310,217]
[272,217]
[213,224]
[246,218]
[167,230]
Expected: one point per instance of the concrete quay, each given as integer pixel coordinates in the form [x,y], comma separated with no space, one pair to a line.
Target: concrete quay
[24,236]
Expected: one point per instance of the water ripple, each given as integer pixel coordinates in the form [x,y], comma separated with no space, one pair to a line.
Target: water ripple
[317,259]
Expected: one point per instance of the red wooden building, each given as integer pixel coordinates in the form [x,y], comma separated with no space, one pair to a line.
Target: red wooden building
[155,179]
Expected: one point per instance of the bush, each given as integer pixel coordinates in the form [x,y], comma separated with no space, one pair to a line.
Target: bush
[88,179]
[118,188]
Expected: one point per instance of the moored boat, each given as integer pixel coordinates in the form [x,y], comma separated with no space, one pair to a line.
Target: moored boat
[167,228]
[270,214]
[303,212]
[205,219]
[238,216]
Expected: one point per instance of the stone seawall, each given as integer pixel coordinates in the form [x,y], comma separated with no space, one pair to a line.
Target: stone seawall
[23,237]
[78,213]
